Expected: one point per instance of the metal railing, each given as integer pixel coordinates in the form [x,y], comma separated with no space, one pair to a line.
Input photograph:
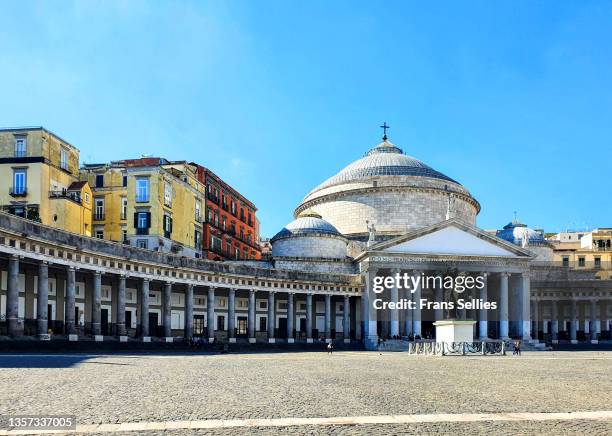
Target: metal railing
[18,192]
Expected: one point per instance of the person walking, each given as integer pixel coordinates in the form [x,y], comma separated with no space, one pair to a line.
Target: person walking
[517,348]
[330,348]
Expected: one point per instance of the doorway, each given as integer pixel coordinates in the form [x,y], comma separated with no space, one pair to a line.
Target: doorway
[153,319]
[104,322]
[282,328]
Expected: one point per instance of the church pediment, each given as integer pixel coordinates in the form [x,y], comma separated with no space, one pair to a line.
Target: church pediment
[451,237]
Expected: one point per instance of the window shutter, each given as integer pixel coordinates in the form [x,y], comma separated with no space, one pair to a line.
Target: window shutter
[170,224]
[135,220]
[148,219]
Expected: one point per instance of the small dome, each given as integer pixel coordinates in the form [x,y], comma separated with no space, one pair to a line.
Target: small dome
[515,232]
[307,223]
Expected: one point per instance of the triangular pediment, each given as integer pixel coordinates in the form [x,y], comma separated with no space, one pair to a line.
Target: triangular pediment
[451,237]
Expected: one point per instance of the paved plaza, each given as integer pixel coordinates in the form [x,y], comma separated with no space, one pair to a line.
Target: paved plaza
[366,386]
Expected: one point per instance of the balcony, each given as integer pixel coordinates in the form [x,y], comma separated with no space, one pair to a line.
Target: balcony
[213,198]
[142,231]
[18,192]
[69,195]
[98,217]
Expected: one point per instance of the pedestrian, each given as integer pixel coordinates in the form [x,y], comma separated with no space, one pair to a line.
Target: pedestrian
[330,348]
[517,348]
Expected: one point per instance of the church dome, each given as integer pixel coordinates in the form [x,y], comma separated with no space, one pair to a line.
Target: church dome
[392,190]
[309,236]
[515,232]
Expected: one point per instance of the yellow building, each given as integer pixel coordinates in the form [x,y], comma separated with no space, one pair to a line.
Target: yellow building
[585,250]
[149,203]
[39,176]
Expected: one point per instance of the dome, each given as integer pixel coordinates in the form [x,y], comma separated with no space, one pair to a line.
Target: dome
[308,222]
[309,236]
[515,232]
[383,160]
[395,192]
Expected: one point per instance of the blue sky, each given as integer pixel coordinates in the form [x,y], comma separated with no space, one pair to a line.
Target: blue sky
[513,99]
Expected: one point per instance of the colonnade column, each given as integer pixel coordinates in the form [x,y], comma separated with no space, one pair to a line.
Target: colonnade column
[525,306]
[309,318]
[168,311]
[290,317]
[536,319]
[503,306]
[144,310]
[251,321]
[416,327]
[439,296]
[327,318]
[42,301]
[554,322]
[573,322]
[394,314]
[231,313]
[346,325]
[121,330]
[188,312]
[595,326]
[482,318]
[210,315]
[271,317]
[70,303]
[15,328]
[96,306]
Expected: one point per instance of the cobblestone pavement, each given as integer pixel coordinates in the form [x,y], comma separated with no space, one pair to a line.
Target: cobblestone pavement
[115,388]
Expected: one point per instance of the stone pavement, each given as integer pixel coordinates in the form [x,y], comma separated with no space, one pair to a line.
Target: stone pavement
[153,388]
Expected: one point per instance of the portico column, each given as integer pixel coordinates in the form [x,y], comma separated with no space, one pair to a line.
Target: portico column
[210,314]
[309,318]
[327,317]
[290,317]
[168,311]
[271,317]
[231,322]
[70,302]
[536,319]
[96,306]
[42,301]
[594,325]
[574,321]
[15,328]
[346,325]
[120,307]
[483,321]
[503,306]
[251,326]
[189,311]
[416,325]
[144,310]
[394,313]
[439,296]
[370,315]
[408,314]
[525,305]
[554,323]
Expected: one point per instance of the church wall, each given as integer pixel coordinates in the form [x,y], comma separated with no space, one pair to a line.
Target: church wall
[316,266]
[391,211]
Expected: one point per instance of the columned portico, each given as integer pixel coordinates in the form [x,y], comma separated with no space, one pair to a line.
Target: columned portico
[121,331]
[309,318]
[189,312]
[96,306]
[210,314]
[144,310]
[394,315]
[167,308]
[416,312]
[290,317]
[595,325]
[15,326]
[69,315]
[503,306]
[327,317]
[346,326]
[554,323]
[231,322]
[251,318]
[525,306]
[573,321]
[483,333]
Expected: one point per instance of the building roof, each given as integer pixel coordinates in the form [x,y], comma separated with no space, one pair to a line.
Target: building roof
[515,232]
[386,159]
[307,223]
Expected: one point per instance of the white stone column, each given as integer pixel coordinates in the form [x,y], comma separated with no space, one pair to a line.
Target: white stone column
[210,314]
[189,311]
[271,317]
[309,318]
[573,322]
[231,316]
[554,323]
[167,309]
[70,298]
[96,306]
[290,317]
[346,325]
[144,310]
[327,318]
[525,305]
[369,312]
[483,316]
[536,319]
[416,318]
[503,306]
[439,296]
[394,313]
[594,326]
[120,326]
[251,320]
[42,301]
[15,327]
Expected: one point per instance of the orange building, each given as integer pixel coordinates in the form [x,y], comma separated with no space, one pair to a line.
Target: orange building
[231,230]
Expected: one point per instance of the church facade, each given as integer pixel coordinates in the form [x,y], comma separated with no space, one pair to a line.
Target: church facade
[384,215]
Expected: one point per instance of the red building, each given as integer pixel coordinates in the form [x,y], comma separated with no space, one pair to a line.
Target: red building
[231,230]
